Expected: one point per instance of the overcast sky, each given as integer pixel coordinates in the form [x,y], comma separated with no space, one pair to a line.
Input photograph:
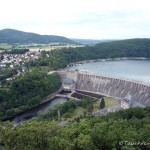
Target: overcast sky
[90,19]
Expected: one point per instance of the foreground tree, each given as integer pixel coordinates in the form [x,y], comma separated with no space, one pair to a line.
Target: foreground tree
[112,131]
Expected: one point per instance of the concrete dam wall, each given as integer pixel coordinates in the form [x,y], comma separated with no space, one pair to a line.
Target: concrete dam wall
[109,86]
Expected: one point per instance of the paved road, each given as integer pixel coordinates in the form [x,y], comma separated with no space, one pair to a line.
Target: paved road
[107,110]
[50,72]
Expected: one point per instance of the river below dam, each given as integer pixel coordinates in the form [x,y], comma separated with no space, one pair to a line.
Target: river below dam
[18,119]
[138,70]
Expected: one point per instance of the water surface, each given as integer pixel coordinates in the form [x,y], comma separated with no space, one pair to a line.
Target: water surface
[33,112]
[138,70]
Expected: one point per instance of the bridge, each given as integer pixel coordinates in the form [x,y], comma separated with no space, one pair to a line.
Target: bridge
[109,86]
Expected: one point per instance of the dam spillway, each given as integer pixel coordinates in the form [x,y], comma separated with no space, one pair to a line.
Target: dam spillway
[109,86]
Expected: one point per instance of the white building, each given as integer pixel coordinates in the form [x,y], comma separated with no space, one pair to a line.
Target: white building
[128,102]
[2,65]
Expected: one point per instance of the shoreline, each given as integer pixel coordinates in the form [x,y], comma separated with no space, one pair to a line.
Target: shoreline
[44,101]
[107,59]
[105,75]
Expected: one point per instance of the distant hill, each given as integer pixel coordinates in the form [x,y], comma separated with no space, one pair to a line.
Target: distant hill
[14,36]
[106,50]
[90,41]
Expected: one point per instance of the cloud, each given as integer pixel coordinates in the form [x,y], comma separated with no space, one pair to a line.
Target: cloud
[78,18]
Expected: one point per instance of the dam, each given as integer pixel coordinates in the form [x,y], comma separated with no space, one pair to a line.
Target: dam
[117,88]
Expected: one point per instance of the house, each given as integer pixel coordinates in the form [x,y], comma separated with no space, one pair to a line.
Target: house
[129,101]
[68,84]
[11,66]
[126,103]
[2,65]
[24,69]
[9,79]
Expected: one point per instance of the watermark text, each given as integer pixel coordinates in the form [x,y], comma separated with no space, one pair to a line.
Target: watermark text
[136,143]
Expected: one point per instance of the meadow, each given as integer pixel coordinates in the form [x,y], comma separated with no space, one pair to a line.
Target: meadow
[37,47]
[47,47]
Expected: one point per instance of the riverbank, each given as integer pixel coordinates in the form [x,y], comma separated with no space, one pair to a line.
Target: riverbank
[51,100]
[107,59]
[44,101]
[34,112]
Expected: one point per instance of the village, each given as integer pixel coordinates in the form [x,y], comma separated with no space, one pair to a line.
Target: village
[11,60]
[13,65]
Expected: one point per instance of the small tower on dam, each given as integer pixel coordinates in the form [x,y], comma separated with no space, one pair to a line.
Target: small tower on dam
[68,84]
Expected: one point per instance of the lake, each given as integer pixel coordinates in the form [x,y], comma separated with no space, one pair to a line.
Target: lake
[138,70]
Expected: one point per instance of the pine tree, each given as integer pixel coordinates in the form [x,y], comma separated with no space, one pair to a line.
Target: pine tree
[90,108]
[102,103]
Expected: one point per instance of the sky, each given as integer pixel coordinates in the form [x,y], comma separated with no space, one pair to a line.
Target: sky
[84,19]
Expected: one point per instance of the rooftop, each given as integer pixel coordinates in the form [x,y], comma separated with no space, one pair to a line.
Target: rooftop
[68,81]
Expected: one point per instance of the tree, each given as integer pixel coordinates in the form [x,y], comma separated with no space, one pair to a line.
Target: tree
[111,131]
[27,66]
[102,103]
[77,119]
[84,113]
[27,90]
[90,108]
[1,57]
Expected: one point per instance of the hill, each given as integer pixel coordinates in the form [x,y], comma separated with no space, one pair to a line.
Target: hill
[14,36]
[90,41]
[123,48]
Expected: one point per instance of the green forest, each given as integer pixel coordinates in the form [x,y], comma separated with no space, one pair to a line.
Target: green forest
[26,91]
[122,130]
[16,51]
[7,73]
[123,48]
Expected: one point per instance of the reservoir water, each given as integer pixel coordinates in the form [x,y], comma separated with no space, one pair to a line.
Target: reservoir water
[138,70]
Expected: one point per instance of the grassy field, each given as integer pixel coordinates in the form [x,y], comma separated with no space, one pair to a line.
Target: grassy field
[80,110]
[108,103]
[5,46]
[41,47]
[49,48]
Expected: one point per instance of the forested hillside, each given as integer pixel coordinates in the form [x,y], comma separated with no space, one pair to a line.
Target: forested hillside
[26,91]
[89,41]
[123,48]
[14,36]
[123,130]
